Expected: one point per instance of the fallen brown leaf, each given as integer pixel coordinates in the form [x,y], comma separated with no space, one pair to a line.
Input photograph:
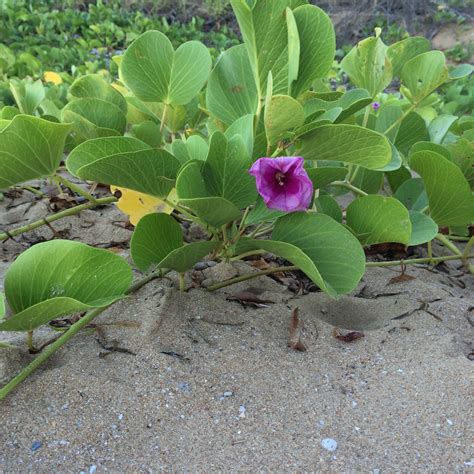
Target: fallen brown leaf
[349,337]
[294,338]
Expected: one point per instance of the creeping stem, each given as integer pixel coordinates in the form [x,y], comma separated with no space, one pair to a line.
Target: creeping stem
[74,187]
[54,217]
[65,337]
[392,263]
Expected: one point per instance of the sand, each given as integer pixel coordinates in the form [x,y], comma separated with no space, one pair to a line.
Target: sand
[203,383]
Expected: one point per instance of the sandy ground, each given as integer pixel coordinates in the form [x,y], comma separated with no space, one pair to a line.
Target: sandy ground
[203,383]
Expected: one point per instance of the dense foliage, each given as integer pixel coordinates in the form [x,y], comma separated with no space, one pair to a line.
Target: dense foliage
[255,147]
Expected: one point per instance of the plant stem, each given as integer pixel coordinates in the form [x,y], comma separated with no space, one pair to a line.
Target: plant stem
[54,217]
[34,191]
[401,118]
[465,255]
[249,276]
[448,244]
[65,337]
[347,185]
[182,282]
[434,260]
[29,342]
[163,117]
[366,116]
[392,263]
[250,253]
[74,187]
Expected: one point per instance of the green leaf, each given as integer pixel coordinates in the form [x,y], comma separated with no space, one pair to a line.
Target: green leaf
[449,194]
[424,229]
[388,115]
[283,113]
[423,74]
[261,213]
[30,148]
[194,148]
[412,130]
[368,66]
[460,71]
[347,143]
[322,177]
[2,306]
[156,73]
[231,90]
[397,177]
[369,181]
[351,102]
[326,204]
[149,171]
[158,240]
[60,277]
[243,127]
[318,44]
[428,146]
[192,193]
[402,51]
[439,127]
[94,118]
[28,95]
[148,132]
[412,194]
[321,247]
[294,48]
[94,86]
[264,30]
[93,150]
[225,171]
[379,219]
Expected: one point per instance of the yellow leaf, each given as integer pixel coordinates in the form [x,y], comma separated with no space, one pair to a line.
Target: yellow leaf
[136,205]
[51,76]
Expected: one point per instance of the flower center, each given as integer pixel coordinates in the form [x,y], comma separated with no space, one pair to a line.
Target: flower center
[280,178]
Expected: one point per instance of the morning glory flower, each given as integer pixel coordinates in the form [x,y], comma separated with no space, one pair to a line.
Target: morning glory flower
[283,183]
[376,105]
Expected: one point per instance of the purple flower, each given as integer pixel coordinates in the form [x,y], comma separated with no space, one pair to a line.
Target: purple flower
[376,105]
[283,183]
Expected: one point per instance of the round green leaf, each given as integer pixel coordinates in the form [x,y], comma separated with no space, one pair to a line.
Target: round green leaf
[412,194]
[98,148]
[321,247]
[347,143]
[30,148]
[449,194]
[225,171]
[402,51]
[282,113]
[94,118]
[156,73]
[379,219]
[231,90]
[326,204]
[94,86]
[158,240]
[149,171]
[423,74]
[322,177]
[368,66]
[424,229]
[60,277]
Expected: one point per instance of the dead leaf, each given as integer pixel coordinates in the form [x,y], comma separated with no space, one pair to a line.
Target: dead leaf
[402,277]
[261,264]
[249,297]
[136,205]
[296,327]
[348,337]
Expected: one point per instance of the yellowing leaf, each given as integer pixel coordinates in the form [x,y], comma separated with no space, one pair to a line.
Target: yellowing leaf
[136,205]
[120,87]
[51,76]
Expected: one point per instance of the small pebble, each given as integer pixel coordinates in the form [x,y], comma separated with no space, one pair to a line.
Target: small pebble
[211,263]
[449,422]
[200,266]
[120,417]
[228,394]
[92,469]
[36,445]
[241,411]
[329,444]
